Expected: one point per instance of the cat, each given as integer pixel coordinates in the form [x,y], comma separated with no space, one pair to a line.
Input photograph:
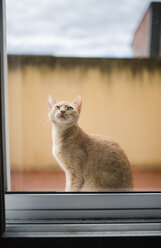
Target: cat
[90,162]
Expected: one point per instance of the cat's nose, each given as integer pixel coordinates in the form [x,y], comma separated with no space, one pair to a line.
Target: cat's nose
[62,111]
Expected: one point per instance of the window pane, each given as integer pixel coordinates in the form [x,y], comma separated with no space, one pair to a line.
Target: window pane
[70,48]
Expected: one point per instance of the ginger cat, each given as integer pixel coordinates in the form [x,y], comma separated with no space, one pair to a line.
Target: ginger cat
[90,162]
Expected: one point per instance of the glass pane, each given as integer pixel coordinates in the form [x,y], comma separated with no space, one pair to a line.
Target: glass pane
[109,53]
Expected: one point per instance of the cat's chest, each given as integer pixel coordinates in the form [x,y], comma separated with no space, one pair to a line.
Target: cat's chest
[63,153]
[57,153]
[57,149]
[68,151]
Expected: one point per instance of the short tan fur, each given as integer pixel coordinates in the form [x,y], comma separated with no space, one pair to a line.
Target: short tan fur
[91,162]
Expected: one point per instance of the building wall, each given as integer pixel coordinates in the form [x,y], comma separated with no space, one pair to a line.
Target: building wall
[141,41]
[155,30]
[121,99]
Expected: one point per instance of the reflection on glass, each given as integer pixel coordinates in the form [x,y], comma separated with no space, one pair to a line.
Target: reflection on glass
[121,95]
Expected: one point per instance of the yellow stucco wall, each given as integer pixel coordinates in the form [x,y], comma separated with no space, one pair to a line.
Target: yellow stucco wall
[121,99]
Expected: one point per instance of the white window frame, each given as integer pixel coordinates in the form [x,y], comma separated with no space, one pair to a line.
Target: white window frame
[74,214]
[83,214]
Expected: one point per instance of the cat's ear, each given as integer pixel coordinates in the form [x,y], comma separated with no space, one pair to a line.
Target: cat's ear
[51,101]
[78,103]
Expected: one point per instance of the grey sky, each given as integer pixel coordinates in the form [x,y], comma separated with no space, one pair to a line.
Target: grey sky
[84,28]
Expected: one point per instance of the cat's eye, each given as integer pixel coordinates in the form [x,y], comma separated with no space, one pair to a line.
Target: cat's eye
[69,108]
[57,107]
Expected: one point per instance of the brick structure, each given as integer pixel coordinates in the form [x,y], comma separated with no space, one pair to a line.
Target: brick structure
[147,38]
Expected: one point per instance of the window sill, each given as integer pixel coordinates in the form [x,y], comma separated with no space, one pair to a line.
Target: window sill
[83,230]
[83,215]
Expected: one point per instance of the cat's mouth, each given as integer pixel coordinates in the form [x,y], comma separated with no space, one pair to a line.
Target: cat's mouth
[62,117]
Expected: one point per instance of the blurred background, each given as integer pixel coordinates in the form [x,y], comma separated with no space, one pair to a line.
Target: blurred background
[107,51]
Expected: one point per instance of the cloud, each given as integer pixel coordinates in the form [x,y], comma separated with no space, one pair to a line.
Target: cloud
[95,28]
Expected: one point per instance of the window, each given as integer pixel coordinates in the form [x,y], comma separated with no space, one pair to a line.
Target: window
[57,214]
[65,58]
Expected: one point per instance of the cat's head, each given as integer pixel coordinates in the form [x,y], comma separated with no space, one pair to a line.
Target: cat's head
[64,113]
